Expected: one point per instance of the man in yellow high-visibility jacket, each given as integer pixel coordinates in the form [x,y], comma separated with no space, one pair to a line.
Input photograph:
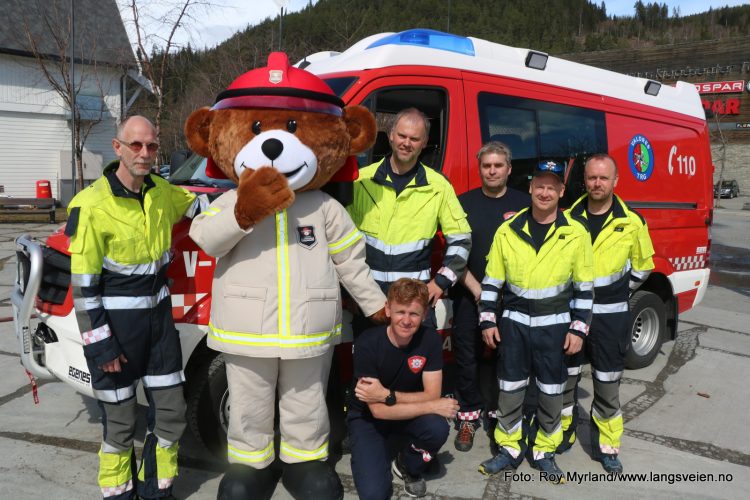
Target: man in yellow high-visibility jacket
[622,262]
[399,203]
[120,230]
[541,262]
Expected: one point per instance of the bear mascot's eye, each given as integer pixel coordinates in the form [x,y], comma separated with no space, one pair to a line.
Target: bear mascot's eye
[256,128]
[291,126]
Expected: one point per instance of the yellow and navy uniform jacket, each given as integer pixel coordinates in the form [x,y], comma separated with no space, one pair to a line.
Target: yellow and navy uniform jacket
[399,230]
[539,289]
[120,249]
[622,255]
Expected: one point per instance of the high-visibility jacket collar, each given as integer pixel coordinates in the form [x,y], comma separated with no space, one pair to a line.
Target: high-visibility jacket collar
[382,176]
[110,172]
[578,210]
[520,221]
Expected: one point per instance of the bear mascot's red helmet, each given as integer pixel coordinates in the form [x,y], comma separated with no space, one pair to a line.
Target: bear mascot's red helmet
[282,86]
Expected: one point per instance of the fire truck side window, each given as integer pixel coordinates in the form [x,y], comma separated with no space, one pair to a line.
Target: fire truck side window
[386,103]
[538,130]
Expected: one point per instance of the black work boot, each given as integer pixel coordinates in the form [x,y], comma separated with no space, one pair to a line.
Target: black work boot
[241,482]
[314,480]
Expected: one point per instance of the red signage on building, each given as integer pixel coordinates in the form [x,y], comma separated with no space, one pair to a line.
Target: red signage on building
[720,87]
[722,107]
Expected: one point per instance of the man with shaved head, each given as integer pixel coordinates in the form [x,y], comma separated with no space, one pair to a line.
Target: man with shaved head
[120,230]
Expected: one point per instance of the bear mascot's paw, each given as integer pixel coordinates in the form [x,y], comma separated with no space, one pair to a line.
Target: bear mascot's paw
[261,193]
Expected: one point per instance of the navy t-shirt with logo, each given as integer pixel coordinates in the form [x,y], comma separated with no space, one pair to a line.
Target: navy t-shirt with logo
[398,369]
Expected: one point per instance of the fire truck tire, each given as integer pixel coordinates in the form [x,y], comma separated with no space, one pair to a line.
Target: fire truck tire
[208,404]
[648,325]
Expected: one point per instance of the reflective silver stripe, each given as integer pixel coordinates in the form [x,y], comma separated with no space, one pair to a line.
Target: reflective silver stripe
[391,276]
[85,279]
[108,448]
[448,273]
[412,246]
[511,430]
[551,389]
[115,395]
[492,282]
[488,296]
[601,418]
[582,304]
[533,321]
[610,308]
[143,302]
[452,238]
[574,370]
[164,443]
[199,205]
[512,385]
[456,250]
[167,380]
[583,286]
[641,275]
[568,411]
[606,376]
[608,280]
[140,269]
[538,293]
[87,303]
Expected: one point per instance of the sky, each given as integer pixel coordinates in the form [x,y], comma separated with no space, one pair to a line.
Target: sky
[214,24]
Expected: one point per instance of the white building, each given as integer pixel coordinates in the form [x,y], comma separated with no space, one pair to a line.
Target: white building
[35,121]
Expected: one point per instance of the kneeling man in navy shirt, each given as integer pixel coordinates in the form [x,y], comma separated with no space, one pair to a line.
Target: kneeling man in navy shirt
[398,370]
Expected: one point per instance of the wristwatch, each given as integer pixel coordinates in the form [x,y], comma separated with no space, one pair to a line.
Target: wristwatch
[390,399]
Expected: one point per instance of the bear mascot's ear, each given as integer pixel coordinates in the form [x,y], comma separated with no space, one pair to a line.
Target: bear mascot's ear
[361,126]
[198,129]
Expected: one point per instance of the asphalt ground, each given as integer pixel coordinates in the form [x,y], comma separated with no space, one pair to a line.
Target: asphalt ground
[685,415]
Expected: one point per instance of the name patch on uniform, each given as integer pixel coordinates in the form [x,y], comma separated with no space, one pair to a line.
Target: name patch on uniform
[619,229]
[306,236]
[416,363]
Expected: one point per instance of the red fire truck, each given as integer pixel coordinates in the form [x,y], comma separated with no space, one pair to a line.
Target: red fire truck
[473,91]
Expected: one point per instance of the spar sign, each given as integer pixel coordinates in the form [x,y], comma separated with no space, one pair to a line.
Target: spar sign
[720,87]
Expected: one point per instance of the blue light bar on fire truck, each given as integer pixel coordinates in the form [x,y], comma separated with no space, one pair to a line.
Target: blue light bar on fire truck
[429,39]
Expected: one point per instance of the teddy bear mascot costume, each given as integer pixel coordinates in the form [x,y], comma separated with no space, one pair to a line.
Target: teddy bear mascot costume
[282,246]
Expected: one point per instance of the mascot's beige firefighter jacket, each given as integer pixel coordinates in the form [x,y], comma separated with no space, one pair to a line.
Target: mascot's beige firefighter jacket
[276,286]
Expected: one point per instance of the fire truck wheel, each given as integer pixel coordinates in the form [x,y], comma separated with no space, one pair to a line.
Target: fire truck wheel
[648,325]
[208,403]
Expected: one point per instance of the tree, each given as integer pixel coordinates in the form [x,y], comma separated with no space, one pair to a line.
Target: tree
[153,48]
[70,59]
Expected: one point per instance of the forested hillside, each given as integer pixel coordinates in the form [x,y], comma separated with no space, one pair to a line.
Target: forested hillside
[555,26]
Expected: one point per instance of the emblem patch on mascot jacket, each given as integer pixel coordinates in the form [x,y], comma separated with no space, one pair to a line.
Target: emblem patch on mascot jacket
[306,236]
[416,363]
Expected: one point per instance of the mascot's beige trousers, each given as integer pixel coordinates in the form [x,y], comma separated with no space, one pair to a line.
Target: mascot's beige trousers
[303,416]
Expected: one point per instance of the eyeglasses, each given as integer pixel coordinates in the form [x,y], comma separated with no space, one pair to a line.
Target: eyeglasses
[137,146]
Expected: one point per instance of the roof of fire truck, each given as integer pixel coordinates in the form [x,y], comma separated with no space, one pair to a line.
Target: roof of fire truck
[422,47]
